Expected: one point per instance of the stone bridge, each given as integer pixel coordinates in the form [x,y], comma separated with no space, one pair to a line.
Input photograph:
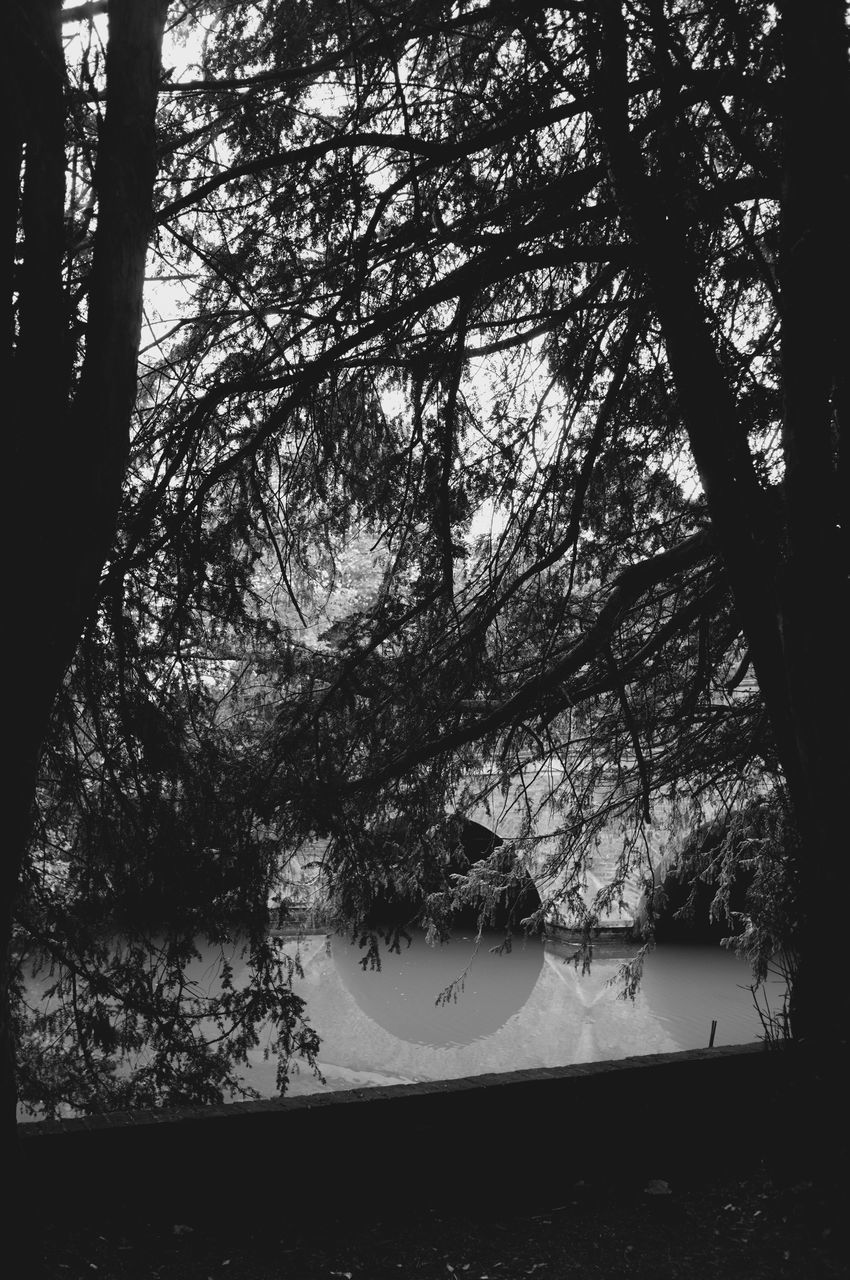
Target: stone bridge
[503,813]
[660,840]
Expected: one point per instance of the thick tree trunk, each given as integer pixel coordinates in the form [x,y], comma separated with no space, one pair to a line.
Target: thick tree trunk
[37,373]
[70,449]
[789,585]
[814,601]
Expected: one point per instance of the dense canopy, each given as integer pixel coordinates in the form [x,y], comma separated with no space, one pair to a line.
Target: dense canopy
[503,336]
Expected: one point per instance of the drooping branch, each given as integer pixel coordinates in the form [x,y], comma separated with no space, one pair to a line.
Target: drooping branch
[628,587]
[619,685]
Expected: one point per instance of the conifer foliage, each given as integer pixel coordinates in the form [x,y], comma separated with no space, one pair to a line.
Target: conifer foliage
[508,337]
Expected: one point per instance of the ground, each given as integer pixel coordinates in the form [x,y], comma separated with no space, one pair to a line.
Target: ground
[754,1228]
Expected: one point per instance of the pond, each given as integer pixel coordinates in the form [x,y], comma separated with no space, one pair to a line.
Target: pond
[461,1009]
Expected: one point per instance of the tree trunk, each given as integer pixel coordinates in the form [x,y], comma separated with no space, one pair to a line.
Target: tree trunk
[70,448]
[814,272]
[790,586]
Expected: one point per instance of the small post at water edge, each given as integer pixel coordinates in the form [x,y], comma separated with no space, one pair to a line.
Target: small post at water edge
[713,1030]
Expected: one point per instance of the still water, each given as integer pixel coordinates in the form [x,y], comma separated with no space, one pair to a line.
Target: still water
[439,1012]
[461,1009]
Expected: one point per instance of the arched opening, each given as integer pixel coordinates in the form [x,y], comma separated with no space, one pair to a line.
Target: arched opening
[468,843]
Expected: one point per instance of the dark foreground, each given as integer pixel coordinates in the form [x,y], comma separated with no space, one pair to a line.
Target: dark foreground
[756,1227]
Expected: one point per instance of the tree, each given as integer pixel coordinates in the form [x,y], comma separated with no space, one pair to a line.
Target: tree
[576,268]
[71,394]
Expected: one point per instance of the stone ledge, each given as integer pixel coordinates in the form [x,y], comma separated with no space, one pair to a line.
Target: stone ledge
[344,1097]
[435,1141]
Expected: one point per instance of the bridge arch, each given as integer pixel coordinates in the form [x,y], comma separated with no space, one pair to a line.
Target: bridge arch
[503,811]
[495,821]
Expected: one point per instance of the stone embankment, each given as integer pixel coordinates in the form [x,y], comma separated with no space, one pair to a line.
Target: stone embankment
[492,1138]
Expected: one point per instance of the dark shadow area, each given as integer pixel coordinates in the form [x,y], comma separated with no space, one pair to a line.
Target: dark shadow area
[686,911]
[753,1226]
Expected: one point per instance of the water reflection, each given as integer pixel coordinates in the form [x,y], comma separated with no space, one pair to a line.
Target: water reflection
[519,1010]
[448,994]
[522,1010]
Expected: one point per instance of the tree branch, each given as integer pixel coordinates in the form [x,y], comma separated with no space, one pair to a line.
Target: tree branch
[631,724]
[627,588]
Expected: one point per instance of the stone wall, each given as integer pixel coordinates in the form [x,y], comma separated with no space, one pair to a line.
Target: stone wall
[523,1136]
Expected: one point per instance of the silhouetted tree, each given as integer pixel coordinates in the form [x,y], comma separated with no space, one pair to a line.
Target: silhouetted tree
[575,271]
